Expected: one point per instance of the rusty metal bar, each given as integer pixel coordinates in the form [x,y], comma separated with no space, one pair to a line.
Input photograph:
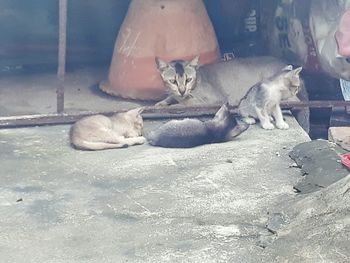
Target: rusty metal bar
[315,104]
[62,50]
[68,118]
[175,111]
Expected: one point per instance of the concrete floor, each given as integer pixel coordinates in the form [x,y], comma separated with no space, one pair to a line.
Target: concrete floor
[213,203]
[141,204]
[35,93]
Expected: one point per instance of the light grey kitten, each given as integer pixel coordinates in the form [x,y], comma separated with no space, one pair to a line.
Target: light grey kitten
[188,133]
[263,100]
[99,132]
[189,83]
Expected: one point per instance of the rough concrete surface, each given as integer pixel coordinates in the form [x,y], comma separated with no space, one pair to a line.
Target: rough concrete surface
[320,223]
[143,204]
[320,163]
[340,136]
[230,202]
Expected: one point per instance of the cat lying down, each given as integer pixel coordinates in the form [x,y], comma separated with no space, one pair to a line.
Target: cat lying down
[189,133]
[262,101]
[99,132]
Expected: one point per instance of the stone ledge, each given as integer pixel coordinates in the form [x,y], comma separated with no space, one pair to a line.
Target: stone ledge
[340,136]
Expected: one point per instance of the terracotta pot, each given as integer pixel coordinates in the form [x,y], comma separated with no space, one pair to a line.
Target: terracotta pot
[169,29]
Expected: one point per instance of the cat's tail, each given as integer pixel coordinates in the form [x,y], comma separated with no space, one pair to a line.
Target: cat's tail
[95,146]
[238,129]
[151,138]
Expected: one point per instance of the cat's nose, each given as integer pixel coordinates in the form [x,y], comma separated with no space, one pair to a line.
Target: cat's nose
[182,92]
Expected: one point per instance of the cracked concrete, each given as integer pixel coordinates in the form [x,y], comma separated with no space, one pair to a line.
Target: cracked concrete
[141,204]
[230,202]
[320,163]
[319,227]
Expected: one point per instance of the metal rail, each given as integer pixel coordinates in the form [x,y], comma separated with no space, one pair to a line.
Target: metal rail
[175,111]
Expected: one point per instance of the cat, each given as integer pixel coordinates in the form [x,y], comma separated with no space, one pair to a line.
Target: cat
[189,83]
[179,77]
[189,133]
[264,98]
[99,132]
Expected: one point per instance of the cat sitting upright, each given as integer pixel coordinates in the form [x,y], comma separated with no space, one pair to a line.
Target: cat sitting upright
[264,98]
[188,133]
[99,132]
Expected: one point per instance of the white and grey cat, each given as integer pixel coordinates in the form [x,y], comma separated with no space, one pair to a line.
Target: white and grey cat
[99,132]
[188,133]
[189,83]
[263,100]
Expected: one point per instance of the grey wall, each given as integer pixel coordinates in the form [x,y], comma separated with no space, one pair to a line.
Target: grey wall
[29,28]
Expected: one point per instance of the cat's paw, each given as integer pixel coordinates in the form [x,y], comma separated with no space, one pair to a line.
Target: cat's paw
[249,120]
[161,104]
[282,126]
[141,140]
[267,126]
[240,127]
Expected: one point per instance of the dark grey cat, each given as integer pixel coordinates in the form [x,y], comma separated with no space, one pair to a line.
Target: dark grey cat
[190,84]
[188,133]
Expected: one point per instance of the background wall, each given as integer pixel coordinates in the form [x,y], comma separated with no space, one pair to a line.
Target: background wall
[29,29]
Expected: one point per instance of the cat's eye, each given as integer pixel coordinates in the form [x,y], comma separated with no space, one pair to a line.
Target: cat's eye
[188,80]
[173,81]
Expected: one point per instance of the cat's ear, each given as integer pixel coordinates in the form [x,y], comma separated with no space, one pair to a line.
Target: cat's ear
[297,70]
[194,62]
[161,64]
[222,112]
[288,68]
[135,112]
[140,110]
[293,73]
